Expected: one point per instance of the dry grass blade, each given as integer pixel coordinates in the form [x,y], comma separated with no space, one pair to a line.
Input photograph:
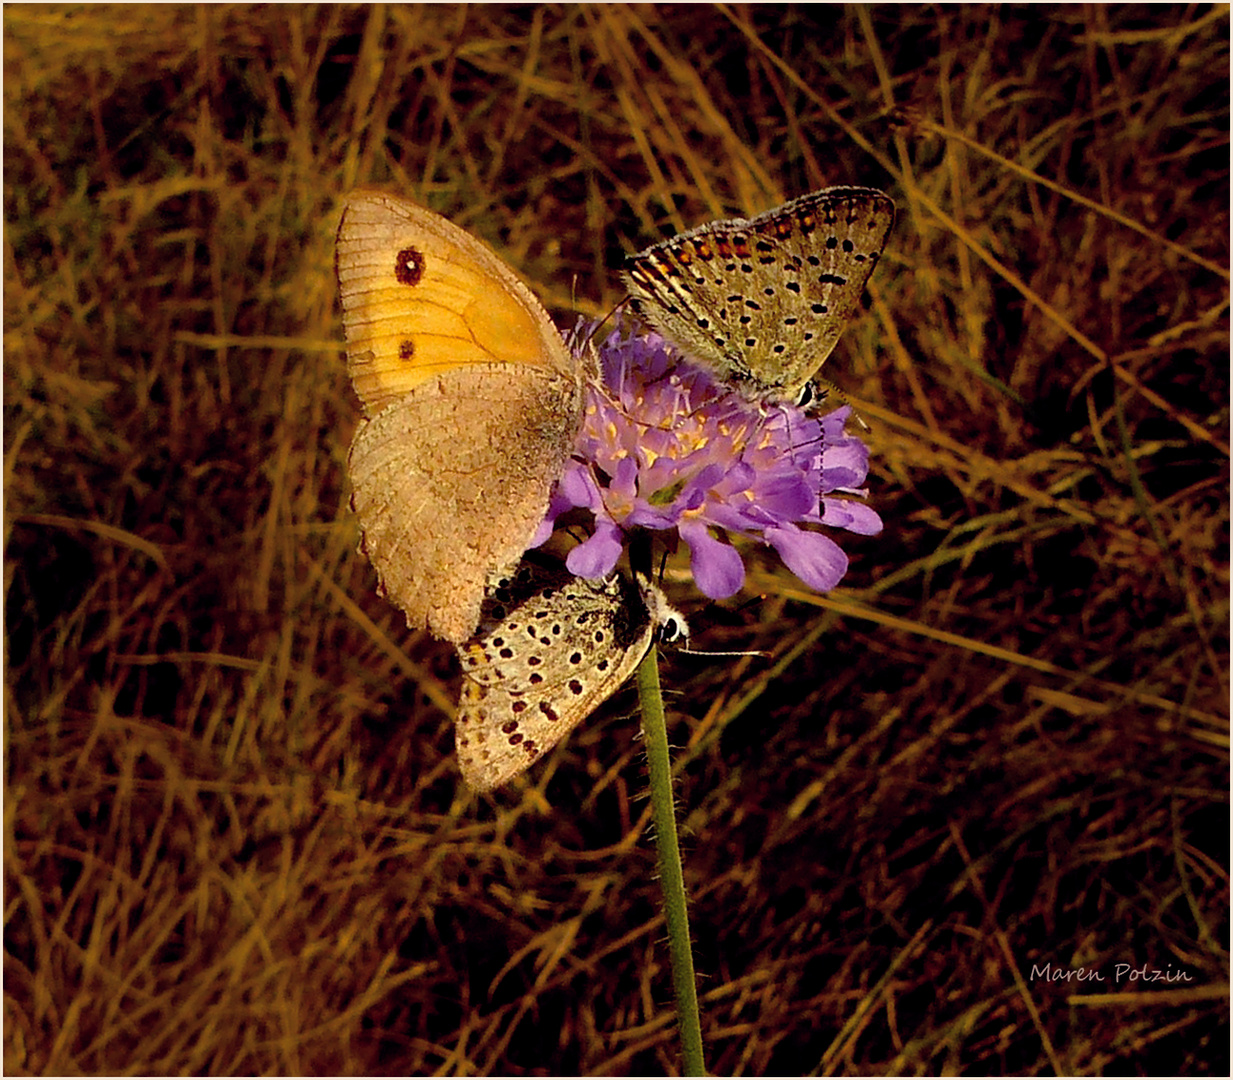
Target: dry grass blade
[966,813]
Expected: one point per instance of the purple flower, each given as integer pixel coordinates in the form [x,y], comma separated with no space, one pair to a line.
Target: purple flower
[663,445]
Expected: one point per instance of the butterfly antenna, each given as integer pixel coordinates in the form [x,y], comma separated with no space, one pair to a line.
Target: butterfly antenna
[711,652]
[820,390]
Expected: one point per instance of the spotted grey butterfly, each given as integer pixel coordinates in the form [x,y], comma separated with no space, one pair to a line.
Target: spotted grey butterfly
[763,301]
[549,650]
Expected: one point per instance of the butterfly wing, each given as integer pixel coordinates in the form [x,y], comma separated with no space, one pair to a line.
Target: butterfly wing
[451,482]
[765,300]
[550,649]
[422,297]
[471,403]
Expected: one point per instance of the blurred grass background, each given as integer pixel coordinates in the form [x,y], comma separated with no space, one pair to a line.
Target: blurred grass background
[235,839]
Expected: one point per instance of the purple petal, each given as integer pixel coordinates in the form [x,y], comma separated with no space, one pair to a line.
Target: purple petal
[833,422]
[644,516]
[787,497]
[578,487]
[851,515]
[749,518]
[717,568]
[625,478]
[544,531]
[597,556]
[740,477]
[816,559]
[845,465]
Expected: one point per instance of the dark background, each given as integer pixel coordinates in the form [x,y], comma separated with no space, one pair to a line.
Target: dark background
[235,840]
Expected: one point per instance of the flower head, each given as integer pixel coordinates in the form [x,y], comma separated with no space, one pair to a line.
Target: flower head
[663,445]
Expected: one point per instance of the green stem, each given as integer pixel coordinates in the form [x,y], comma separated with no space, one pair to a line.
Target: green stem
[671,879]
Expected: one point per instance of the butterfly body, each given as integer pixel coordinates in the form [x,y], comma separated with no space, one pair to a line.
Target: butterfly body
[550,649]
[762,301]
[471,405]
